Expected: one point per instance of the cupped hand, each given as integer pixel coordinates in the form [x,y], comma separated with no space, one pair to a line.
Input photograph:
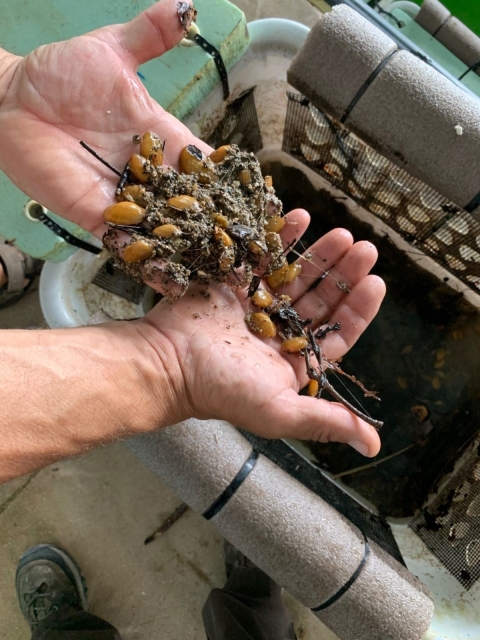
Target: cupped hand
[86,88]
[233,374]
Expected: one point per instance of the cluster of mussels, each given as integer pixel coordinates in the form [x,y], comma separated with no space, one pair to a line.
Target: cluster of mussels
[217,219]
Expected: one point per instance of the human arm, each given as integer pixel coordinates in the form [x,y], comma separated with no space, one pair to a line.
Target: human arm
[85,88]
[68,390]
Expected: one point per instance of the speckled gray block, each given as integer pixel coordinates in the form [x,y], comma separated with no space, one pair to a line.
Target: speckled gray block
[289,532]
[432,15]
[341,53]
[462,42]
[197,458]
[409,113]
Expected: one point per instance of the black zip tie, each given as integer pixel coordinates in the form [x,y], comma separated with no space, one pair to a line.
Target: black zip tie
[233,487]
[68,237]
[421,57]
[473,67]
[473,204]
[217,58]
[365,86]
[349,583]
[400,24]
[434,34]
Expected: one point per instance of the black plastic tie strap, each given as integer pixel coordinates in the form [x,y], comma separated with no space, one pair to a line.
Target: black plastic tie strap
[365,86]
[349,583]
[434,34]
[217,58]
[233,487]
[473,204]
[473,67]
[68,237]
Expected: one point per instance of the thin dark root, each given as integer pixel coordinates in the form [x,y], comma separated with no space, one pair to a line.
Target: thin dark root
[232,269]
[289,246]
[95,155]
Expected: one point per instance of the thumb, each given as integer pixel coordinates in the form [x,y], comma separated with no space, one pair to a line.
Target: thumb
[292,416]
[153,32]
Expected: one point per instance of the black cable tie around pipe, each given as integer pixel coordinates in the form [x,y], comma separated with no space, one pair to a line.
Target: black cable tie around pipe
[365,86]
[233,487]
[349,582]
[217,58]
[473,67]
[434,34]
[65,235]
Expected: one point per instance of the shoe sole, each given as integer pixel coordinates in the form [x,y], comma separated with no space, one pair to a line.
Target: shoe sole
[63,560]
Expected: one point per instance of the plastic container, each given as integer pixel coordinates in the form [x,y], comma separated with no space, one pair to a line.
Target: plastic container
[410,8]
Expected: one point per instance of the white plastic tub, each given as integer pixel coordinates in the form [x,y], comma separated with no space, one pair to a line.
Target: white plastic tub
[410,8]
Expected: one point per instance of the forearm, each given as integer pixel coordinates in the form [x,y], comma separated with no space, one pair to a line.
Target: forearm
[65,391]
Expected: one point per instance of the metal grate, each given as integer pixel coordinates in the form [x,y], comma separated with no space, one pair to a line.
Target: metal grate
[112,279]
[375,527]
[239,125]
[450,525]
[417,212]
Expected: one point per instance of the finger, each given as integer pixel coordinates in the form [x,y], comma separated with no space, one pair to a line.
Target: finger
[325,252]
[320,303]
[354,315]
[153,32]
[305,418]
[297,222]
[156,273]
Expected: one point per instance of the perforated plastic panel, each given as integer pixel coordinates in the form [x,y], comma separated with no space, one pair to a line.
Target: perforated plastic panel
[116,281]
[417,212]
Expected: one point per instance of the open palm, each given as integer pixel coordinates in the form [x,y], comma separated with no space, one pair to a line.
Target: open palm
[232,374]
[87,89]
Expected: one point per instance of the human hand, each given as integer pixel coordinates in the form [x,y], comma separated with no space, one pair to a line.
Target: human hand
[229,373]
[85,88]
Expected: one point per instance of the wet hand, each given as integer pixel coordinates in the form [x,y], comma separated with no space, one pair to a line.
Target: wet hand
[233,374]
[86,88]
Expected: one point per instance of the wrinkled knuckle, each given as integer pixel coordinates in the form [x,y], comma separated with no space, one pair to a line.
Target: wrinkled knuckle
[320,434]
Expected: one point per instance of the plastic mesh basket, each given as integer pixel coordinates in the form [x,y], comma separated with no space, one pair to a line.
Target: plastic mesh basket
[422,216]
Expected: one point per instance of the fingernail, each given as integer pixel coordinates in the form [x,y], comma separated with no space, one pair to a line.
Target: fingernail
[359,446]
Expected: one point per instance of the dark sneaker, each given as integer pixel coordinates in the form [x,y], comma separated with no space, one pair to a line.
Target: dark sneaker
[47,580]
[235,558]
